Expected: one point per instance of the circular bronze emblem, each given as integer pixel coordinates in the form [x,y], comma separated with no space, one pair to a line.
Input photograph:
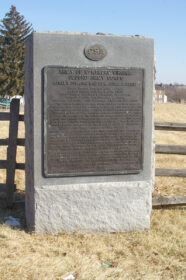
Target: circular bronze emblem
[95,52]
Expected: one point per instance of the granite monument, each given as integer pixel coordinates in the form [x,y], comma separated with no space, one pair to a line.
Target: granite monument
[89,132]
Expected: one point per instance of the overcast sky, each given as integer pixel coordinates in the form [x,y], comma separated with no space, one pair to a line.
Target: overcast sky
[163,20]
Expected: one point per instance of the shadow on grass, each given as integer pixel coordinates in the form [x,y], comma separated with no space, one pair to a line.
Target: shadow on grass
[17,211]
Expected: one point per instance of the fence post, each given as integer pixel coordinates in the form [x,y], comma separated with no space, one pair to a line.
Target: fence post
[11,151]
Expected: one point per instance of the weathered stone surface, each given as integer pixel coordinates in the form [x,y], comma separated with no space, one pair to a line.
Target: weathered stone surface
[98,208]
[104,203]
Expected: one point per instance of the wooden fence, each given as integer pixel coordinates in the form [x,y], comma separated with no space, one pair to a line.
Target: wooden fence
[12,142]
[170,149]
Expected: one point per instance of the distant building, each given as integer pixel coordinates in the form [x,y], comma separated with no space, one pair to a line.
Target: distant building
[160,96]
[182,101]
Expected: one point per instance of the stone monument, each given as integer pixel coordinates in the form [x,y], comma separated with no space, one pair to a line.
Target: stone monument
[89,132]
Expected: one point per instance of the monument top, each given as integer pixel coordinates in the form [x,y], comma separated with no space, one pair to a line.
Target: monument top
[89,34]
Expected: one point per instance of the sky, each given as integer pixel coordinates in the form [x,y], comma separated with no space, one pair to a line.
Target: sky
[163,20]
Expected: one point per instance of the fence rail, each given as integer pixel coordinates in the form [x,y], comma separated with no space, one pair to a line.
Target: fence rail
[5,116]
[4,165]
[169,201]
[20,141]
[170,172]
[170,126]
[170,149]
[12,142]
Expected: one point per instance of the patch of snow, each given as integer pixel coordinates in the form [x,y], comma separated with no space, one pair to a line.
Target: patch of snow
[11,221]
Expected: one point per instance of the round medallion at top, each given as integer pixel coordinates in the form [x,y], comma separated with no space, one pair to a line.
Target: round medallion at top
[95,52]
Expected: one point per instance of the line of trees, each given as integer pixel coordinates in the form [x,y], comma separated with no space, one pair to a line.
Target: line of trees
[14,30]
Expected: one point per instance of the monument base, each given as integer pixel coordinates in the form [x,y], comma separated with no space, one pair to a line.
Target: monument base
[90,208]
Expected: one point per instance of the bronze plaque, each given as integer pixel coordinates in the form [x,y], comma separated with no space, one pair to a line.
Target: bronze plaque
[93,121]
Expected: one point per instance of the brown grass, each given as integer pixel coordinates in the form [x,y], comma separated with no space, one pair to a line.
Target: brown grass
[150,255]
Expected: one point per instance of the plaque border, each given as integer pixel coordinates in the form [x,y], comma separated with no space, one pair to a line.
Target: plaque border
[45,172]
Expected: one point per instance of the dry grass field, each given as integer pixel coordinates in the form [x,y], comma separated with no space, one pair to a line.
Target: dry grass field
[157,254]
